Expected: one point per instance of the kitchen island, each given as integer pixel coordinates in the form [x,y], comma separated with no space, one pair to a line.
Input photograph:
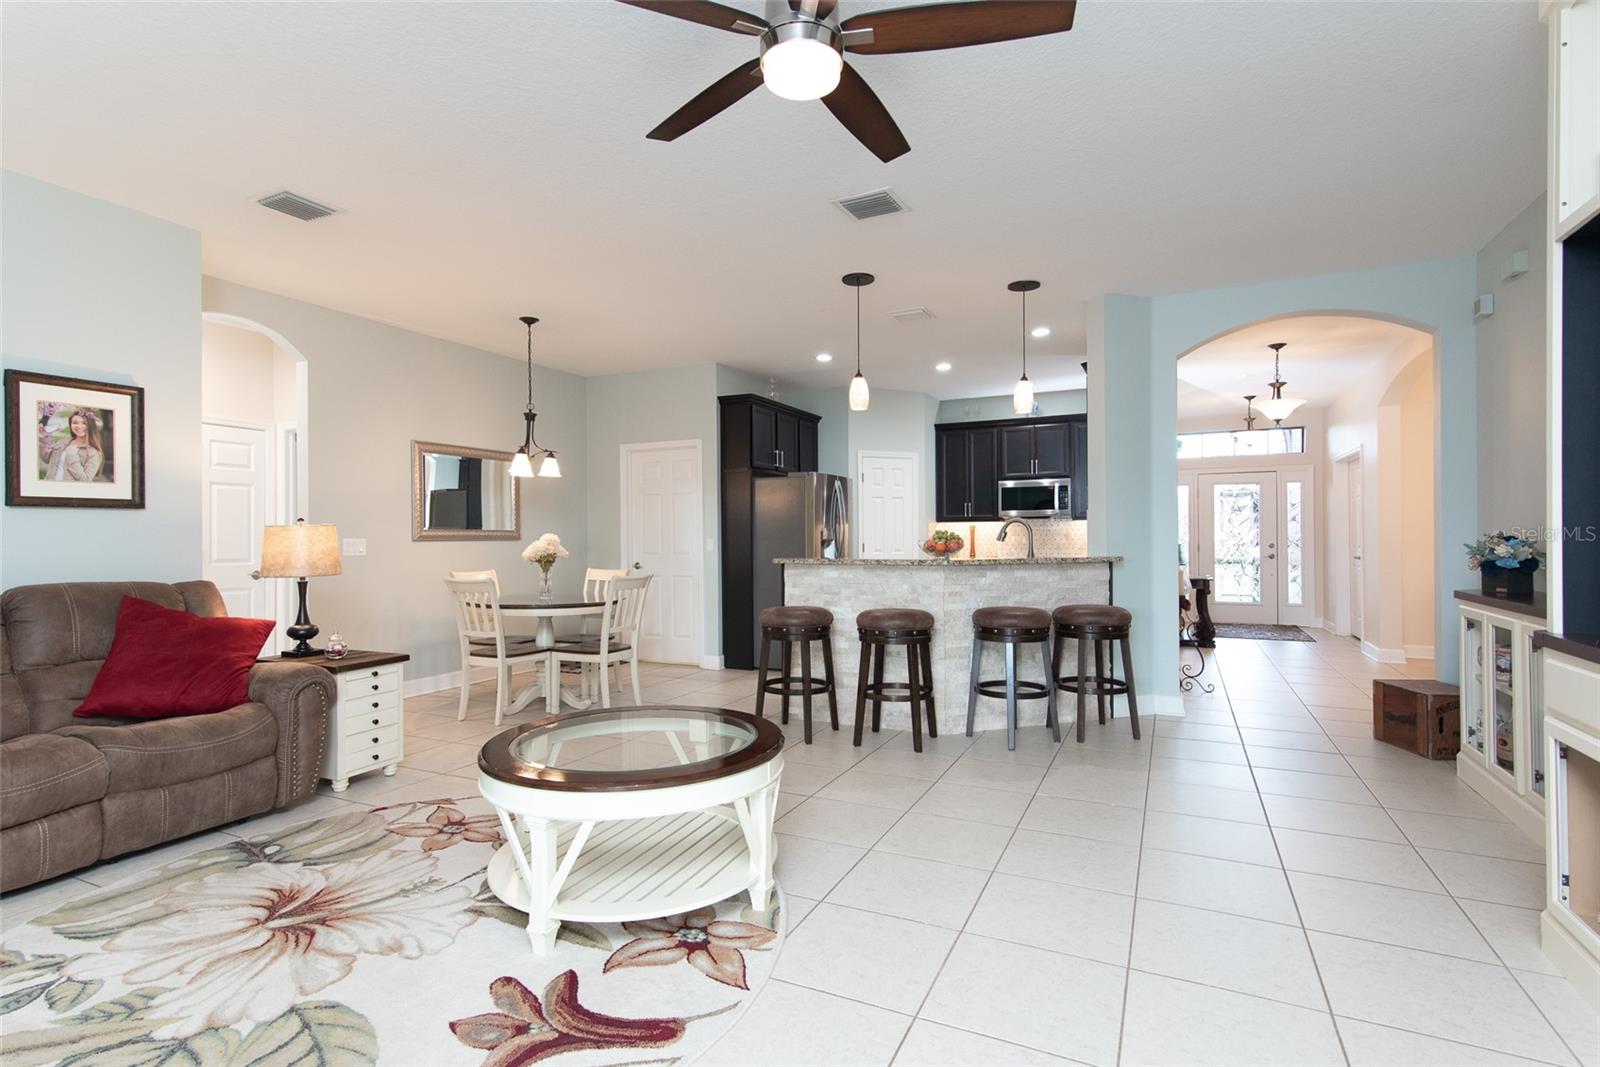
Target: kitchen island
[951,589]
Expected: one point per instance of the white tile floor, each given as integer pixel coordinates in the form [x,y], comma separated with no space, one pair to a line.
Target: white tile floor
[1257,883]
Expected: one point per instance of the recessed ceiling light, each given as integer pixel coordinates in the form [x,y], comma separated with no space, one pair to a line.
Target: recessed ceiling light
[1041,331]
[824,357]
[941,367]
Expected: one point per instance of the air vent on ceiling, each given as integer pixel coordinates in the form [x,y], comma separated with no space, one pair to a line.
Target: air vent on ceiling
[911,314]
[871,205]
[296,206]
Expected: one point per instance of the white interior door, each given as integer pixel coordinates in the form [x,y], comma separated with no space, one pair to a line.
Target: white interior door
[887,506]
[661,535]
[1358,581]
[1237,544]
[236,478]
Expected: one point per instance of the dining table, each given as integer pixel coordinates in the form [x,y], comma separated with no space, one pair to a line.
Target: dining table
[545,612]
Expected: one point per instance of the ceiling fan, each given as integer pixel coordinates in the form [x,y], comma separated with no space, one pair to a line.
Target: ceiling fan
[803,44]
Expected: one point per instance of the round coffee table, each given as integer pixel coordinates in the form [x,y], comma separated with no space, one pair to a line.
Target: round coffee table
[631,813]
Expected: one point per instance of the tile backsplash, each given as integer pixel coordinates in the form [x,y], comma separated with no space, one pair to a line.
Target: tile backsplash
[1051,537]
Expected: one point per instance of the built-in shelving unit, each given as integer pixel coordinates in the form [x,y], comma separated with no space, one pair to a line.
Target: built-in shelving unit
[1501,711]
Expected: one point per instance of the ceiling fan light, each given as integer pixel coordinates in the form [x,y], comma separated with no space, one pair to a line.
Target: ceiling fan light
[1022,396]
[1278,408]
[801,68]
[521,465]
[859,396]
[549,466]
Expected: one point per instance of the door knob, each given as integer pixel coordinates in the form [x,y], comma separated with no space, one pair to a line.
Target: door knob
[637,566]
[1272,555]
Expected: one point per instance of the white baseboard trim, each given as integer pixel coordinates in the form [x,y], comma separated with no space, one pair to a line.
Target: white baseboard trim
[1383,655]
[1161,704]
[1419,652]
[711,663]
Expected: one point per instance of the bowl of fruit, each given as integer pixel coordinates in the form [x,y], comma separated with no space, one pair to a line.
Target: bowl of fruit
[944,543]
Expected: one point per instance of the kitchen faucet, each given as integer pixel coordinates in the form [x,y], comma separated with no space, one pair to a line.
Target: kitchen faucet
[1001,536]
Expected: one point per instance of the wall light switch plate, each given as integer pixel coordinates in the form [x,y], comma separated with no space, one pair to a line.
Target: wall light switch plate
[354,546]
[1517,265]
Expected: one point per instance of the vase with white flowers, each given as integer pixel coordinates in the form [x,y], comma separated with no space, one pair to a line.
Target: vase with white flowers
[545,551]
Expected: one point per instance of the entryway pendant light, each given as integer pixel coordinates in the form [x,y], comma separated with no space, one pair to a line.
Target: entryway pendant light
[1249,415]
[859,394]
[530,459]
[1022,396]
[1278,407]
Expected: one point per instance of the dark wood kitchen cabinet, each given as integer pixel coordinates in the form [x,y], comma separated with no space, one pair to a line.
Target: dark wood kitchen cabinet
[1035,450]
[971,459]
[763,435]
[968,473]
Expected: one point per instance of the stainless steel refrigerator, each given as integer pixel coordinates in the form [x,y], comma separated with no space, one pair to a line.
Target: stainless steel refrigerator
[797,516]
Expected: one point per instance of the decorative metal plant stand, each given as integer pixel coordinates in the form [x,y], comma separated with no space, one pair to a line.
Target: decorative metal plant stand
[1198,635]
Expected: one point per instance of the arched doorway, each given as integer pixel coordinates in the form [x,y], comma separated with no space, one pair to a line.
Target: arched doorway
[254,388]
[1324,520]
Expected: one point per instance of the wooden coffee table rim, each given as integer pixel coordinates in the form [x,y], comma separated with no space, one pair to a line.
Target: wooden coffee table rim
[496,761]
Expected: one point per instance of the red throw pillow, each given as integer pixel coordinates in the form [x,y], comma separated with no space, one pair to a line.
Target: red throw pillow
[166,663]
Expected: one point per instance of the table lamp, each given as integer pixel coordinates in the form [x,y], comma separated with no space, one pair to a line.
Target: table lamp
[300,551]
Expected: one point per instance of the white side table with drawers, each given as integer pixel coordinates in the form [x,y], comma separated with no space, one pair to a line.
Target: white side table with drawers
[366,724]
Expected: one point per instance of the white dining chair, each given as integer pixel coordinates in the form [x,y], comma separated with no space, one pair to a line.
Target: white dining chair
[484,642]
[618,639]
[596,580]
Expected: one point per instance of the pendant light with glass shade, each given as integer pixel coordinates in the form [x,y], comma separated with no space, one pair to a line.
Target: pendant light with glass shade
[1022,396]
[1278,407]
[859,394]
[530,459]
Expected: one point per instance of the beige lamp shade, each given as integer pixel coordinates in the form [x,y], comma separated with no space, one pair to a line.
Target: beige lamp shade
[304,550]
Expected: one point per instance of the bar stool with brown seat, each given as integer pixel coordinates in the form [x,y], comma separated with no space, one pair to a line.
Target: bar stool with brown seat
[788,625]
[1012,626]
[879,628]
[1098,625]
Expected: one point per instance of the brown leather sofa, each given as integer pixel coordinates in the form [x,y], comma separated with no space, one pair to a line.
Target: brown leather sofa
[76,791]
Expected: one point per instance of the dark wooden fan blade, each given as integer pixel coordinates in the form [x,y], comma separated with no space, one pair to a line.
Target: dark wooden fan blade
[721,94]
[705,12]
[860,111]
[957,25]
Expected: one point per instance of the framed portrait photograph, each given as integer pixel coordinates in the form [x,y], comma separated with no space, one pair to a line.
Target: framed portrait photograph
[72,443]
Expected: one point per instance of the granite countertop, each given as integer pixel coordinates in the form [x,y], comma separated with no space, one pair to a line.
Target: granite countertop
[932,561]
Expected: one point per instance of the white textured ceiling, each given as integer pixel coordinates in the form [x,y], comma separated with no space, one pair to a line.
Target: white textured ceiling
[490,161]
[1326,356]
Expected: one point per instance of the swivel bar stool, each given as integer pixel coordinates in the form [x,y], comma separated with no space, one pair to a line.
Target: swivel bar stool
[1011,627]
[1099,625]
[788,625]
[879,628]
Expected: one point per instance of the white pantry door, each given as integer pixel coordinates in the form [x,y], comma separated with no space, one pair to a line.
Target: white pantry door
[236,474]
[887,506]
[661,536]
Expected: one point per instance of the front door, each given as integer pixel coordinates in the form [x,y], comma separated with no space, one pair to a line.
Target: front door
[1237,543]
[235,479]
[661,523]
[887,506]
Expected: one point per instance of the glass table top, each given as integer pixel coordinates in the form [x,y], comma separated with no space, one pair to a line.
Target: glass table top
[624,748]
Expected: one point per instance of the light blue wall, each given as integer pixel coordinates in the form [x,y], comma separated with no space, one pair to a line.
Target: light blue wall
[1132,379]
[93,290]
[897,421]
[984,408]
[374,389]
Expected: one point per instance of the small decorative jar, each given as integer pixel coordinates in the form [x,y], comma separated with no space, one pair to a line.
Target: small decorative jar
[336,647]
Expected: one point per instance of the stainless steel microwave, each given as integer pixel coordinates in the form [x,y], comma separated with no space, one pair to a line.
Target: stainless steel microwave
[1036,498]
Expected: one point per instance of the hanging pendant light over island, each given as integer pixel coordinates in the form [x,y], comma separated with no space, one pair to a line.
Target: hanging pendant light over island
[1022,395]
[860,396]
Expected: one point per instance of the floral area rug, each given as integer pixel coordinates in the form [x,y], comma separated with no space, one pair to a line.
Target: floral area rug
[366,938]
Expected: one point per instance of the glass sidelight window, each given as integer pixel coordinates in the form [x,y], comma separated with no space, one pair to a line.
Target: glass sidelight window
[1294,589]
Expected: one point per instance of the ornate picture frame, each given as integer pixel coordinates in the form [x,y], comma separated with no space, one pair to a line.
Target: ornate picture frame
[73,443]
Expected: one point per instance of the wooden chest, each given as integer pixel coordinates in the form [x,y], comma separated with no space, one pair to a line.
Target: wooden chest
[1418,715]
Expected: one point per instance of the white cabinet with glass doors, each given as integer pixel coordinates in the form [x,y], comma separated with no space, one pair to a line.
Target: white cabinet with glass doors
[1502,712]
